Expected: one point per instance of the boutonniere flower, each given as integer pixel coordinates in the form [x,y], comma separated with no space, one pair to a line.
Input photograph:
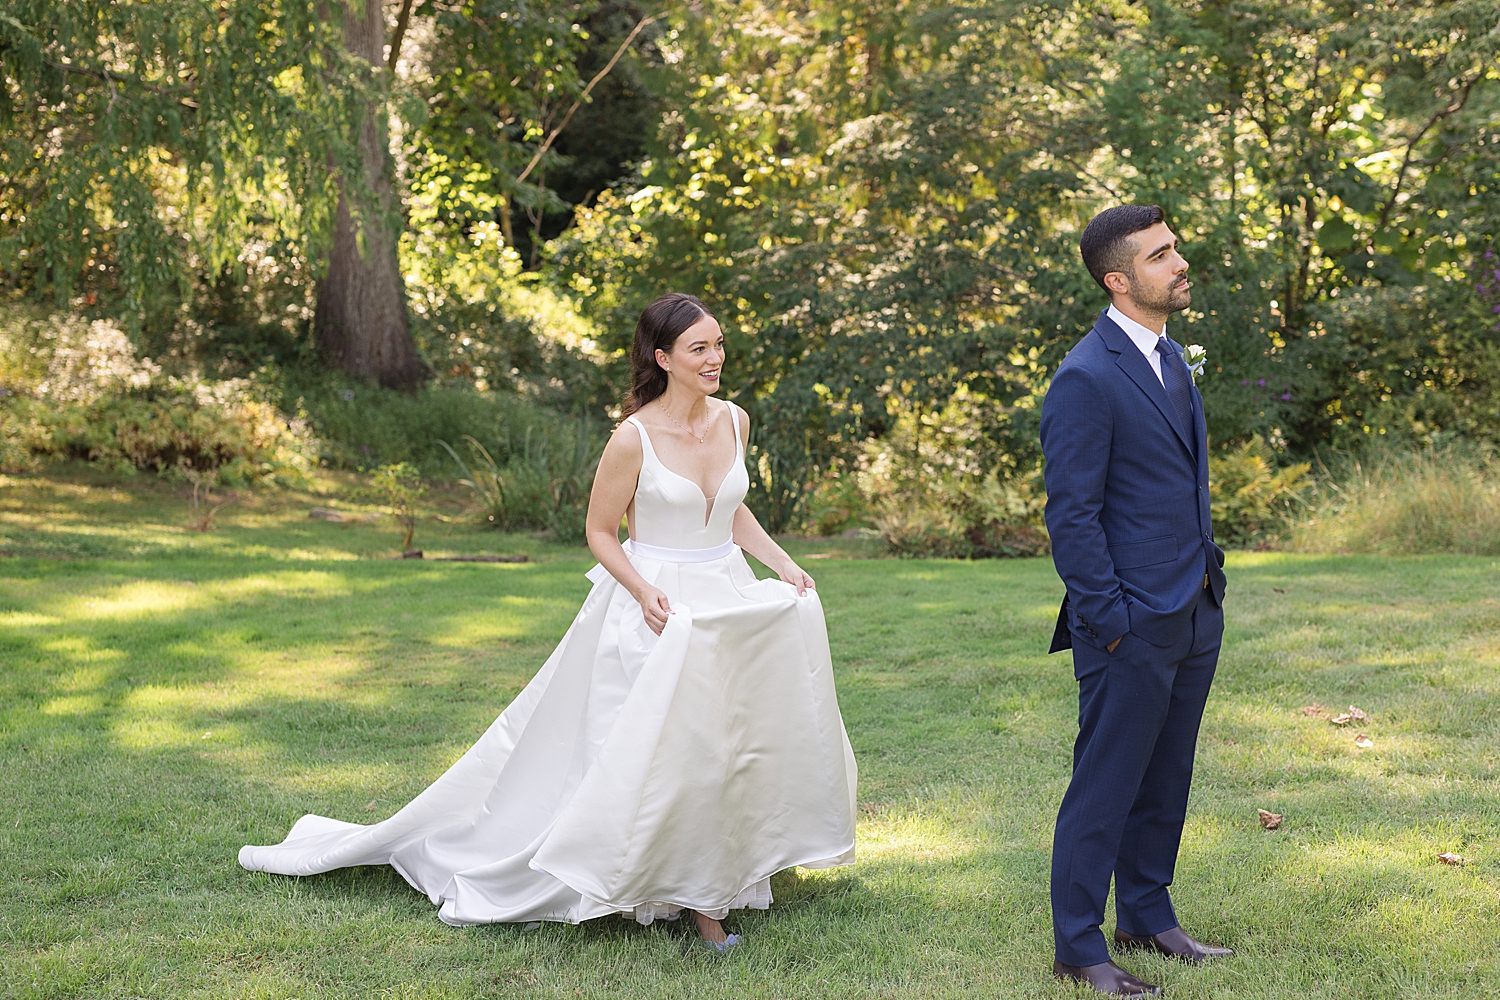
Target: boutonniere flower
[1195,357]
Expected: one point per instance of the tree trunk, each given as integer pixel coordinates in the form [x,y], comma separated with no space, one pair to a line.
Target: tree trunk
[360,321]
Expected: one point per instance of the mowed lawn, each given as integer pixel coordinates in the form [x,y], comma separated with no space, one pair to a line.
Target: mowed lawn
[166,697]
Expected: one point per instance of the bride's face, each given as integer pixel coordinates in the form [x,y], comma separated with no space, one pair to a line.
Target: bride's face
[697,359]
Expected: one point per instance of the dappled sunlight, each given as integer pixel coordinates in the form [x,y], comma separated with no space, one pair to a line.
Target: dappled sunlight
[83,704]
[28,619]
[925,834]
[507,618]
[81,648]
[389,786]
[147,731]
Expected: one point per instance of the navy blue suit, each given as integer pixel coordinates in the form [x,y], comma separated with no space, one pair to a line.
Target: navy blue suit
[1128,512]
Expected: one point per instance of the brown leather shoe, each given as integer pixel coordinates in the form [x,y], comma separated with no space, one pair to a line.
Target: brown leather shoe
[1174,943]
[1107,978]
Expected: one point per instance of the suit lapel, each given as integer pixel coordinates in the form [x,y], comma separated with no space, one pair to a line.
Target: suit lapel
[1200,425]
[1134,364]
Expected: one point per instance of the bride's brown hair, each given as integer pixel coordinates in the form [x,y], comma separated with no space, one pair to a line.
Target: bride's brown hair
[661,323]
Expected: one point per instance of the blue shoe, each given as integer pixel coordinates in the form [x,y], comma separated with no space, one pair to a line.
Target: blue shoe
[720,947]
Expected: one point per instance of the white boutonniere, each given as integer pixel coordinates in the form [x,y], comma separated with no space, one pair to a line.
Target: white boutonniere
[1195,357]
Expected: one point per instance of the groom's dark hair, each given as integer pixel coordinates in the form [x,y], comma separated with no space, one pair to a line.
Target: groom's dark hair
[1106,245]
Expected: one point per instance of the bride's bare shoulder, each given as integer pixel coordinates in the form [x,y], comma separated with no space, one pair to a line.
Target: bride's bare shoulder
[624,445]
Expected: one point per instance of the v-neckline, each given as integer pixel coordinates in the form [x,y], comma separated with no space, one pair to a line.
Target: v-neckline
[708,501]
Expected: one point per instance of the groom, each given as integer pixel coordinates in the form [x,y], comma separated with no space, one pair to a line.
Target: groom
[1127,508]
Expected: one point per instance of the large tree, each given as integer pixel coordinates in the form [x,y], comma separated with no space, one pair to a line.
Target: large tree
[142,142]
[360,321]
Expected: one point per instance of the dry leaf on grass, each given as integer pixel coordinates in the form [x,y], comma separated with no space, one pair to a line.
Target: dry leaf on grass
[1270,820]
[370,806]
[1362,741]
[1356,714]
[1314,710]
[1449,858]
[1341,720]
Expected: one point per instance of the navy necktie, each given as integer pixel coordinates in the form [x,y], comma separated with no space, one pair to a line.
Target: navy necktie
[1174,375]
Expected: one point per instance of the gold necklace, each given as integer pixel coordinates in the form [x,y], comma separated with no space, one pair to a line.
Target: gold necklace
[707,424]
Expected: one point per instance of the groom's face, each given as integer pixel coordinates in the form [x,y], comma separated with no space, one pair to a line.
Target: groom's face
[1160,283]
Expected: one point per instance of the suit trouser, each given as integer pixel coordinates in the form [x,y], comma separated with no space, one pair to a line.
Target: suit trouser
[1138,715]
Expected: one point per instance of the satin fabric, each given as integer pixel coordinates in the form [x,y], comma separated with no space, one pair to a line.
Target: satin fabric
[636,774]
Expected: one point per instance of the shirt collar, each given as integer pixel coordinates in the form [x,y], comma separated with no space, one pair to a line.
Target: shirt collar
[1141,336]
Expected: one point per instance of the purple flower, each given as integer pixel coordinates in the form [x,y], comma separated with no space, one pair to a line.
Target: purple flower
[1244,381]
[1261,383]
[1286,395]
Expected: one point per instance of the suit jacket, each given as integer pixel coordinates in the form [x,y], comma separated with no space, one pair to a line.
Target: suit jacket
[1127,497]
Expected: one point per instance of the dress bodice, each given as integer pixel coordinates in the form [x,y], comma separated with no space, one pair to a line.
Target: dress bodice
[672,511]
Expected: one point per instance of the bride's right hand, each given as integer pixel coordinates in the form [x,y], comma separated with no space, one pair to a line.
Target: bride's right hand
[654,608]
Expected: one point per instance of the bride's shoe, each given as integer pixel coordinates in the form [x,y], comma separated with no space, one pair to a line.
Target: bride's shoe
[718,947]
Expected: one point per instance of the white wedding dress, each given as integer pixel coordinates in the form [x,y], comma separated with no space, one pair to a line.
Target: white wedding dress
[636,774]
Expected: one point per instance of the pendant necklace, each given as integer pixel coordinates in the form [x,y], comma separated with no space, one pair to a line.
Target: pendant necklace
[699,437]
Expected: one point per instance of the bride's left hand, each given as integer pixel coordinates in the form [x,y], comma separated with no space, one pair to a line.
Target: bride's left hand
[793,574]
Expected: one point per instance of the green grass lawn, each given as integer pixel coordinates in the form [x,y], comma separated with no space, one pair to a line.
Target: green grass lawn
[166,697]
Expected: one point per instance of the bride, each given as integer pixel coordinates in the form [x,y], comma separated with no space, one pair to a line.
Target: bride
[683,742]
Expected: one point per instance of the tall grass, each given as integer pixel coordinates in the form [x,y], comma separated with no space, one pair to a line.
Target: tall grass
[545,483]
[1406,502]
[364,426]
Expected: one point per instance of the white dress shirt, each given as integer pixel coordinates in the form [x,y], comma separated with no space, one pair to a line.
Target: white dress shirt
[1141,337]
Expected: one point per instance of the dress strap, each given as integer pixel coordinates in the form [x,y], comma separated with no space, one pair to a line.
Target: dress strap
[646,448]
[734,416]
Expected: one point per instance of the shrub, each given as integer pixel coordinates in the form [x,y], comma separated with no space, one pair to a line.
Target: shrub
[1252,500]
[1444,499]
[927,490]
[835,504]
[76,390]
[961,518]
[363,426]
[545,483]
[399,488]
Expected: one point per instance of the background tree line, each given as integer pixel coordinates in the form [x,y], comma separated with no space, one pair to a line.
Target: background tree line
[881,200]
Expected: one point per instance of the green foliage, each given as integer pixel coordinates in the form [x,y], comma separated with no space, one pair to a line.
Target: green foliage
[883,203]
[400,488]
[856,193]
[498,77]
[363,425]
[76,390]
[543,486]
[135,138]
[934,489]
[1444,499]
[953,518]
[1251,499]
[1334,170]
